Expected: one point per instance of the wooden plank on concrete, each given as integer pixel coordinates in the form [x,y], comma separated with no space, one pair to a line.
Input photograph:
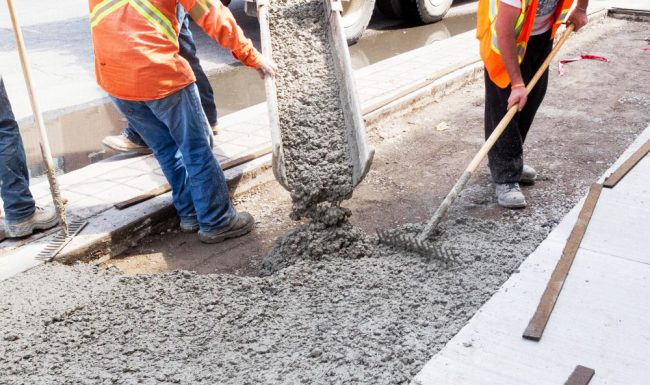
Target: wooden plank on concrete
[538,323]
[581,376]
[620,172]
[165,188]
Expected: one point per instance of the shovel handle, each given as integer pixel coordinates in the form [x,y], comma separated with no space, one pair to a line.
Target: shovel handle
[489,142]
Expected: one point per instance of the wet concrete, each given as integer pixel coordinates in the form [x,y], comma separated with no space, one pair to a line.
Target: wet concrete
[372,320]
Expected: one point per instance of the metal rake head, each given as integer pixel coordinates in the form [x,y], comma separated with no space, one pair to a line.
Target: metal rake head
[60,240]
[408,242]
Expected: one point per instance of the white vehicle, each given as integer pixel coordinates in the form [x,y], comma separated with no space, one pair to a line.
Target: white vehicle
[357,13]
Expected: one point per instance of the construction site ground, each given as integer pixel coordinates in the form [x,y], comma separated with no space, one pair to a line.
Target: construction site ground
[589,116]
[357,321]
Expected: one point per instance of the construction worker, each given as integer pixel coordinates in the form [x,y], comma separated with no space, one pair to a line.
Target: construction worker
[138,65]
[129,140]
[515,37]
[22,216]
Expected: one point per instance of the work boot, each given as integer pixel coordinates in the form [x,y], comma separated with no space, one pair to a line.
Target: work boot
[42,219]
[190,225]
[215,129]
[123,144]
[3,236]
[509,195]
[528,175]
[242,224]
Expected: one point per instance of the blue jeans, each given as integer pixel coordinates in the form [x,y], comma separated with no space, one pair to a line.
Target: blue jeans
[174,128]
[187,50]
[14,176]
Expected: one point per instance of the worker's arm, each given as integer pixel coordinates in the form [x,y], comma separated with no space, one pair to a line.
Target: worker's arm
[579,14]
[505,27]
[218,22]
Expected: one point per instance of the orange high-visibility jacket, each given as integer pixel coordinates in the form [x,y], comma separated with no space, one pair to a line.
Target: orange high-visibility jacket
[487,34]
[136,44]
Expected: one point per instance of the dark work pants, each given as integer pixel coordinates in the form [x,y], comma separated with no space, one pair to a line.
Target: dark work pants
[187,50]
[14,176]
[506,157]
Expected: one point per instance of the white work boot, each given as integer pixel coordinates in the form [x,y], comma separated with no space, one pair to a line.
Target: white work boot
[528,175]
[42,219]
[123,144]
[509,195]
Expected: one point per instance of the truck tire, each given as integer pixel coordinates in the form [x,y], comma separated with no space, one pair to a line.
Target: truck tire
[356,16]
[392,9]
[430,11]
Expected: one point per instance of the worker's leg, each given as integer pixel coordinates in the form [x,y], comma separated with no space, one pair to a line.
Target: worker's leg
[18,201]
[182,113]
[133,136]
[157,136]
[539,46]
[505,158]
[187,49]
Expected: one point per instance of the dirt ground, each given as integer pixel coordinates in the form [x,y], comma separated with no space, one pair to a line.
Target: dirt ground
[588,117]
[373,320]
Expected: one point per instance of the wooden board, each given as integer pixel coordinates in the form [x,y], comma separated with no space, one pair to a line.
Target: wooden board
[230,163]
[538,323]
[628,165]
[581,376]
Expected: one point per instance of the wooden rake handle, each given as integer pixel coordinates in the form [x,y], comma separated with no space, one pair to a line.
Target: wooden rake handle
[478,158]
[489,142]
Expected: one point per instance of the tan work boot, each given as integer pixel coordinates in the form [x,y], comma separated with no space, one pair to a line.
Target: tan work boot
[42,219]
[242,224]
[123,144]
[215,129]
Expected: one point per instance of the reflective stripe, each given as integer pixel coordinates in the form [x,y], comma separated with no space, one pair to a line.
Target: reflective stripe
[104,9]
[200,8]
[563,15]
[494,43]
[493,9]
[151,13]
[519,25]
[521,50]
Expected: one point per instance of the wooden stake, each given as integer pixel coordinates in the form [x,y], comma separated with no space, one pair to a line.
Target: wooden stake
[38,118]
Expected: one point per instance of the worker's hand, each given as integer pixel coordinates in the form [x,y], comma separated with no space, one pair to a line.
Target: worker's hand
[578,17]
[267,67]
[518,96]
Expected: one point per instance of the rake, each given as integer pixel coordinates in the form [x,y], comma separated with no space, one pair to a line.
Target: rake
[421,243]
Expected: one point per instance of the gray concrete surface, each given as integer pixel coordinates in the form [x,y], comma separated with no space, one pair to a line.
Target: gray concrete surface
[599,318]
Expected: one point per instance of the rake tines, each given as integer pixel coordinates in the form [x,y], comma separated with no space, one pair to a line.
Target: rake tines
[407,242]
[60,240]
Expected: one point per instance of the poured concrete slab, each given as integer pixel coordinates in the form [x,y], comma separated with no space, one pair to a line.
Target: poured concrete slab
[600,319]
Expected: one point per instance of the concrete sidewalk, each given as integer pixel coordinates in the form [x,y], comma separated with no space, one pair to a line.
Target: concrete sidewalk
[600,319]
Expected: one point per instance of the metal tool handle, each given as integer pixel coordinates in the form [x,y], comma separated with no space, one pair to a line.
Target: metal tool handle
[38,118]
[489,142]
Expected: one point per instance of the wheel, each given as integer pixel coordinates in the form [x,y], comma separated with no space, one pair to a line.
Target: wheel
[356,16]
[431,11]
[392,9]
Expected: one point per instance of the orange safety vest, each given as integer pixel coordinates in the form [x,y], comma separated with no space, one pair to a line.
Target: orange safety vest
[136,44]
[487,34]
